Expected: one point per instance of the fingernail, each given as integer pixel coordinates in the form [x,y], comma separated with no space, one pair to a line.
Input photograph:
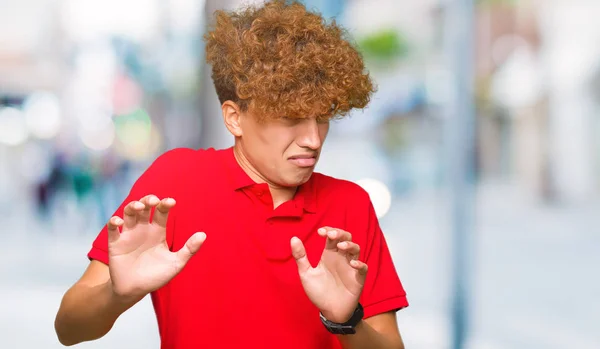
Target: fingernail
[118,221]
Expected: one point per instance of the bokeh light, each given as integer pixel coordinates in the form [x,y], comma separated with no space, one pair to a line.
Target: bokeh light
[94,119]
[137,138]
[98,138]
[379,193]
[133,129]
[13,129]
[43,115]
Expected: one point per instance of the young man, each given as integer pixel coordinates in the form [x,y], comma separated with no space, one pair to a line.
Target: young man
[289,258]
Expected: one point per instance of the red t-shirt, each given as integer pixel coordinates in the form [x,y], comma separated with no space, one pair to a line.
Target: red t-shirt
[242,289]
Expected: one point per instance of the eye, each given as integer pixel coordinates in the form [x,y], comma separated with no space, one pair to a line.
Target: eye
[289,120]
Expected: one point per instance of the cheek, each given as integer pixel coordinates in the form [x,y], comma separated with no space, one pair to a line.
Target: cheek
[286,139]
[275,143]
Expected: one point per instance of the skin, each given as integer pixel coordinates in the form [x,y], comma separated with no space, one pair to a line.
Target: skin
[265,150]
[281,153]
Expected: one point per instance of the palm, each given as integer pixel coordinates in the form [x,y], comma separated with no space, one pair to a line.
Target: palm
[139,258]
[335,285]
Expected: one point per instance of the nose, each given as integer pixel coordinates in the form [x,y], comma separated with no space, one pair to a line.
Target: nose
[310,134]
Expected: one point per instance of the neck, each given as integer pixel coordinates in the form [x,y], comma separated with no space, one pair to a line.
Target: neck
[280,194]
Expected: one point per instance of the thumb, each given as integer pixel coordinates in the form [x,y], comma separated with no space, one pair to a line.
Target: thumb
[190,248]
[299,253]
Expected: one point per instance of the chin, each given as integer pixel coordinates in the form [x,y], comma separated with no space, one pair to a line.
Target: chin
[297,180]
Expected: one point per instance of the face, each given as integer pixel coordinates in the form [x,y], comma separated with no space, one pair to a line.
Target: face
[281,152]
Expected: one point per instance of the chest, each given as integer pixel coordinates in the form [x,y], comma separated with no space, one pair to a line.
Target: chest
[247,246]
[244,228]
[245,270]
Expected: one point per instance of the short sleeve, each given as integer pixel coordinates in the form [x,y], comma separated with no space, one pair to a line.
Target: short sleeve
[159,179]
[383,291]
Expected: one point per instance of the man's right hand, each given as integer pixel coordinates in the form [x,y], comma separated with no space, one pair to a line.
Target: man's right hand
[140,261]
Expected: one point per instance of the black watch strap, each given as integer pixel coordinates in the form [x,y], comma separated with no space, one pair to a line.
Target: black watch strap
[348,327]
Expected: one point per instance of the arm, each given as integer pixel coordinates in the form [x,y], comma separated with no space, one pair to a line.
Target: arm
[90,308]
[140,263]
[377,332]
[383,294]
[340,280]
[334,286]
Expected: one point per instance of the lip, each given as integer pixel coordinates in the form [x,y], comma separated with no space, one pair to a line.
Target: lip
[303,160]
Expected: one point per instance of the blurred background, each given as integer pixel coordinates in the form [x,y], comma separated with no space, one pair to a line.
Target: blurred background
[488,196]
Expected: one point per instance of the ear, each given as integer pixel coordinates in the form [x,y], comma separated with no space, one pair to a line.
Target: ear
[231,116]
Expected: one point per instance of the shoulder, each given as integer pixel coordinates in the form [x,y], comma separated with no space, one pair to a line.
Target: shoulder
[177,159]
[175,165]
[327,186]
[180,156]
[172,170]
[351,202]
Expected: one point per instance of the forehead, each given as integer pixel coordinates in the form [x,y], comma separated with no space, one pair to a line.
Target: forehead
[317,112]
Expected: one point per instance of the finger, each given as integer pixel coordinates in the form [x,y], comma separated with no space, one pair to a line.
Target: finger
[351,248]
[361,267]
[334,236]
[299,253]
[192,245]
[113,228]
[149,202]
[130,214]
[339,234]
[335,233]
[161,214]
[323,231]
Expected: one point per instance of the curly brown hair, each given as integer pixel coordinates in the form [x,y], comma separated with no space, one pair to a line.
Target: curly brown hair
[281,60]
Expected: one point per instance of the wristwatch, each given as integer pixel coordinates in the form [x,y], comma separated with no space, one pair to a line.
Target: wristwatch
[348,327]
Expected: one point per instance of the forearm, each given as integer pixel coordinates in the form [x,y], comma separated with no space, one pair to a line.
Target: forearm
[88,312]
[367,337]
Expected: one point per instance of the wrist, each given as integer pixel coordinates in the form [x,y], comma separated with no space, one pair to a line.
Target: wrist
[120,301]
[357,329]
[344,327]
[340,319]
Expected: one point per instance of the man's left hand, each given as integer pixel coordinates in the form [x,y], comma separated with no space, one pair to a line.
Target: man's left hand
[336,284]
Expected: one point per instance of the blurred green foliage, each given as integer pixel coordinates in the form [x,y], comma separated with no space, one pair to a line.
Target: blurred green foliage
[387,44]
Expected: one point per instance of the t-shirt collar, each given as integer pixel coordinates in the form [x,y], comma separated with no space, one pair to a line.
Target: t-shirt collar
[239,179]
